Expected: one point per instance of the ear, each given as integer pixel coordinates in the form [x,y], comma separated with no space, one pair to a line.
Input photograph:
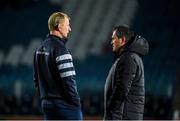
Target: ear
[60,26]
[124,40]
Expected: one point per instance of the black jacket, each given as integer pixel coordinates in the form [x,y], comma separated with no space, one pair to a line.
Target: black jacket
[124,88]
[54,73]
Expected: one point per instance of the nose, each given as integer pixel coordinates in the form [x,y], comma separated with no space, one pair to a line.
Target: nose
[69,28]
[112,42]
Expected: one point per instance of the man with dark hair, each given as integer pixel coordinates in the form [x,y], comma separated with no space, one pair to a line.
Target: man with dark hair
[54,73]
[124,88]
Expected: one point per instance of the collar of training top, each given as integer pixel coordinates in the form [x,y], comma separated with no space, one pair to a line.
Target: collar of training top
[64,40]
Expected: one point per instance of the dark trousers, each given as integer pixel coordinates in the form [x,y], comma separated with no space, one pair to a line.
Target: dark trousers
[60,110]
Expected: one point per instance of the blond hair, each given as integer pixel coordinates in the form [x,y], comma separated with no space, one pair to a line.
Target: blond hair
[55,19]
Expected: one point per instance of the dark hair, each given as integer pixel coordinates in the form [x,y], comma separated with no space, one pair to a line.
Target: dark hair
[124,30]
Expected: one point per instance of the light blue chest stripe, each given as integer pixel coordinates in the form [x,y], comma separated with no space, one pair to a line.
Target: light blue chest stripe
[63,57]
[65,65]
[67,73]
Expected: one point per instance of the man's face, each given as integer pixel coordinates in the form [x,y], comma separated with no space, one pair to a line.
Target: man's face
[117,42]
[65,28]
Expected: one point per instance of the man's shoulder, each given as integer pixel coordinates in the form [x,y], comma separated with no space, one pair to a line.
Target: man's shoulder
[53,43]
[131,58]
[127,57]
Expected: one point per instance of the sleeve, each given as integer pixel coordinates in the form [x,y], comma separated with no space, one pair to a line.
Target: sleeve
[65,66]
[124,76]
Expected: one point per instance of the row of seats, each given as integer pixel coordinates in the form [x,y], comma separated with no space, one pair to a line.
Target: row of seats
[92,105]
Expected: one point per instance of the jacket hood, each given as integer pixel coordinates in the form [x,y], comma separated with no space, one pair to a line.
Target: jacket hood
[138,45]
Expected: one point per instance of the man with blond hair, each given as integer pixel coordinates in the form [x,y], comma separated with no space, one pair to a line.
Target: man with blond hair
[54,73]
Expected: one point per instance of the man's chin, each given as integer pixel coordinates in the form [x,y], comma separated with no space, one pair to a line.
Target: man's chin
[113,50]
[65,37]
